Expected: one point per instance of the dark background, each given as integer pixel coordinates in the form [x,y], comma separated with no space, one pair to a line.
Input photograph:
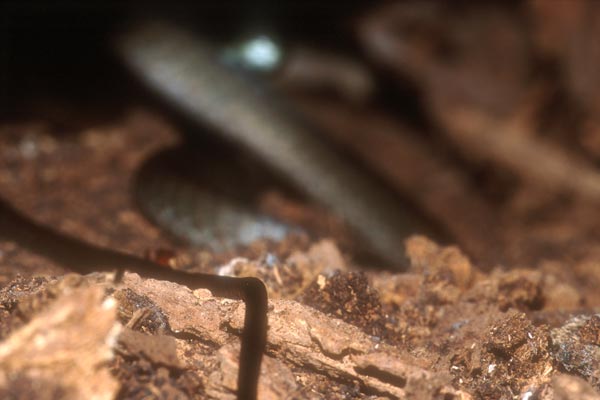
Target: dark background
[62,48]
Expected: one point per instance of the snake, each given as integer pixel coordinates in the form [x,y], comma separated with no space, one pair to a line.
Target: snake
[185,70]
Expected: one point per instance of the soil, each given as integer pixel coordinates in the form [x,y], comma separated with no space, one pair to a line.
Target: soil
[444,328]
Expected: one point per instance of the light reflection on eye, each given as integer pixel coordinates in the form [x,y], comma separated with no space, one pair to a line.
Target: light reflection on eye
[259,53]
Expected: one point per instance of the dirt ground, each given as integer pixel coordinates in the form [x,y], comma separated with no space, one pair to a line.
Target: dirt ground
[498,155]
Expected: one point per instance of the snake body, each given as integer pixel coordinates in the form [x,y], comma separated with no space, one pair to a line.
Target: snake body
[186,71]
[212,209]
